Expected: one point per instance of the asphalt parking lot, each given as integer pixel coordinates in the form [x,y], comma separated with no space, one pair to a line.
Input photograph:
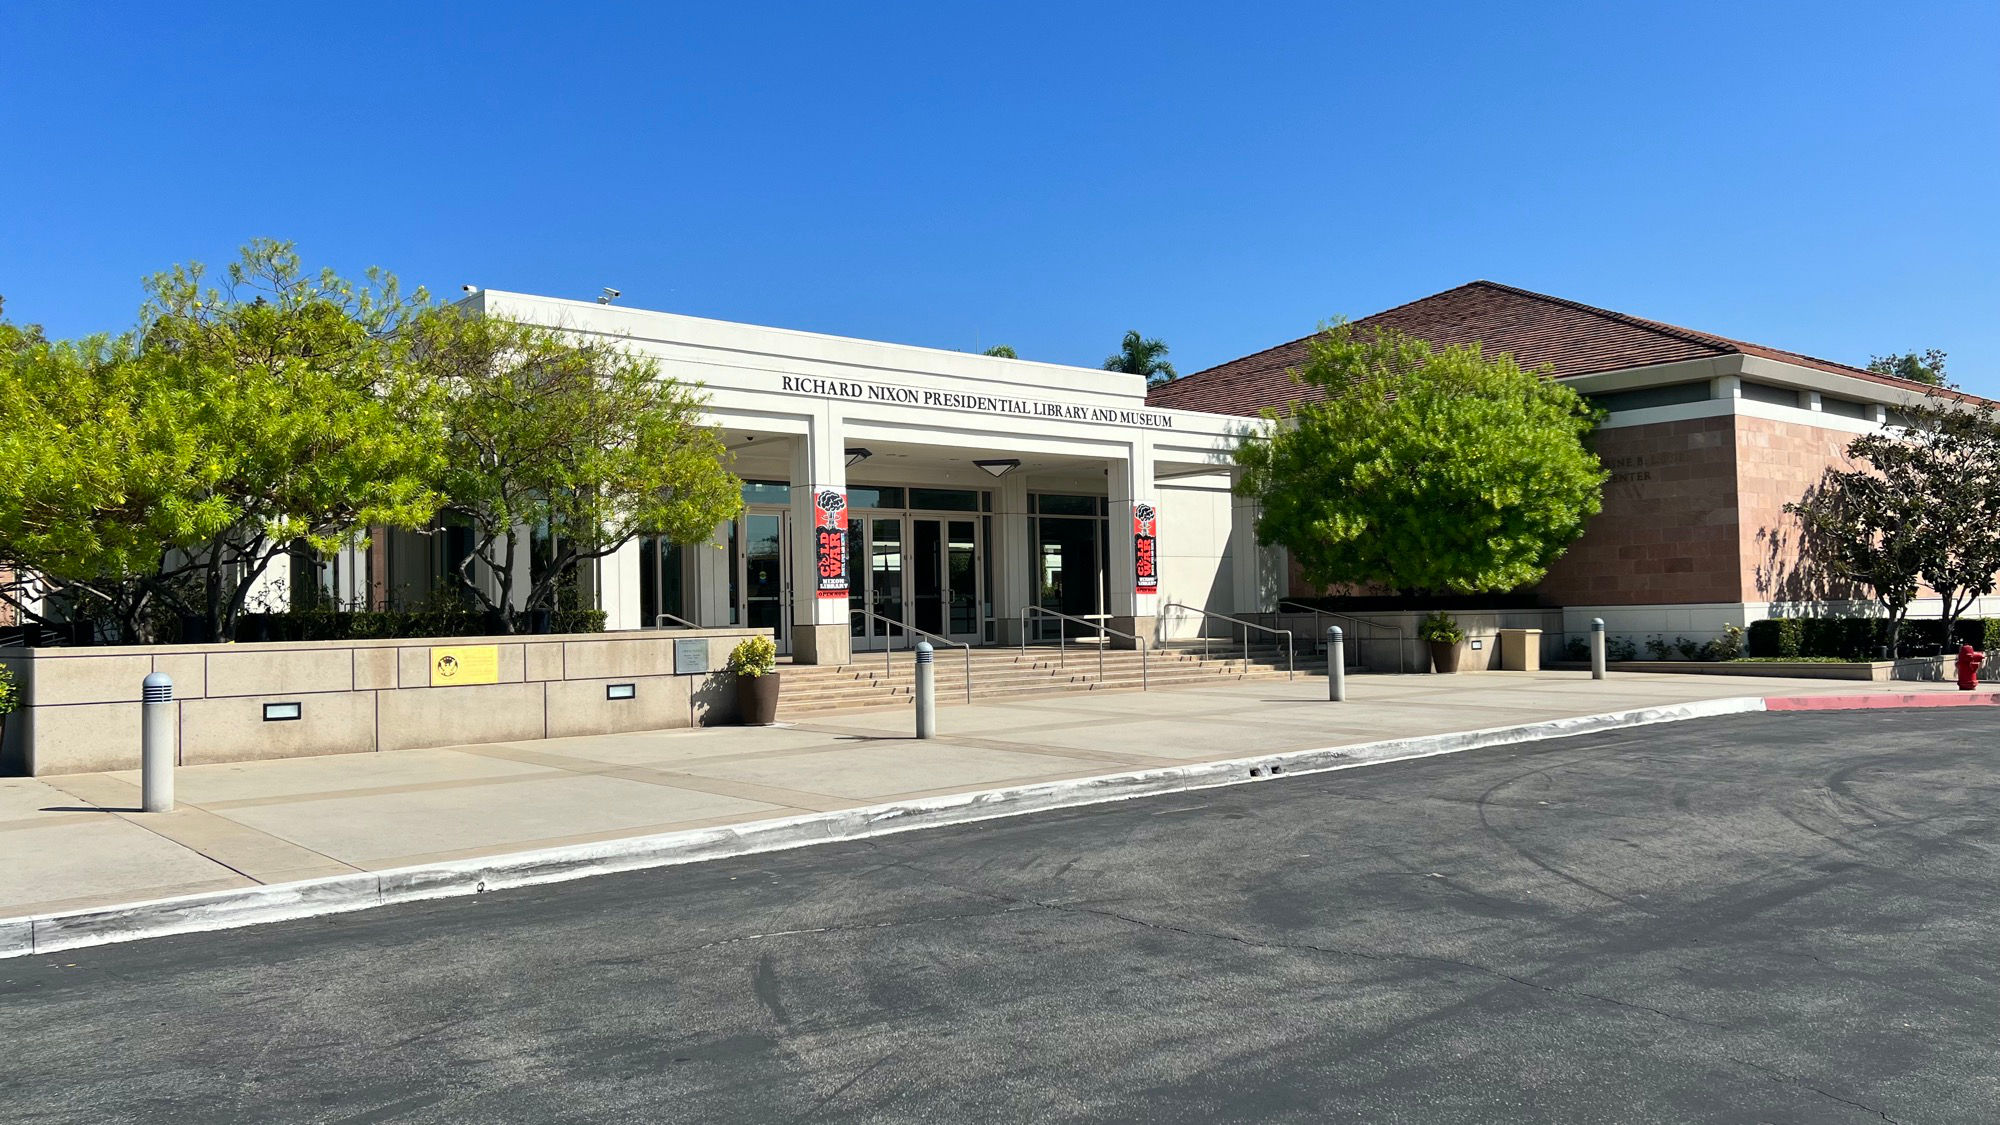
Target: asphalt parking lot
[1776,918]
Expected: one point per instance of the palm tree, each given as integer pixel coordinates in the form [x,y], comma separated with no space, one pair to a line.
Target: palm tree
[1140,356]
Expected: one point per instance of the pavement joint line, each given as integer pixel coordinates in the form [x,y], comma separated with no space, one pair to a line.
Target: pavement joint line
[198,913]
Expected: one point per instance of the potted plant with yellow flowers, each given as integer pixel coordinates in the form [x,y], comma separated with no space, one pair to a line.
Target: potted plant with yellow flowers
[755,662]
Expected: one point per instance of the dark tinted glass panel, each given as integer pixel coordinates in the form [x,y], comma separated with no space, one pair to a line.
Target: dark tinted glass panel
[1845,407]
[1066,505]
[872,497]
[946,499]
[1651,396]
[1765,392]
[766,492]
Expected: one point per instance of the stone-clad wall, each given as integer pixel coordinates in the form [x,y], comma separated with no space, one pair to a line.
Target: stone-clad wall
[81,709]
[1668,533]
[1776,463]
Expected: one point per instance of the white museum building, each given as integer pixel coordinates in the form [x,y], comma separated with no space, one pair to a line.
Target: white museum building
[894,490]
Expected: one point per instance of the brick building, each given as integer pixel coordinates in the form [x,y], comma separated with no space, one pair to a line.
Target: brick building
[1707,439]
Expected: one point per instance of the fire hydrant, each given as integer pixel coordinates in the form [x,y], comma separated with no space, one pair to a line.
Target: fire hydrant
[1968,667]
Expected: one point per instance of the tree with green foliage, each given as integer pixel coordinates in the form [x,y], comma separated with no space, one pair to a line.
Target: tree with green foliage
[162,472]
[1146,358]
[562,448]
[1423,470]
[92,488]
[1918,367]
[1001,351]
[1924,510]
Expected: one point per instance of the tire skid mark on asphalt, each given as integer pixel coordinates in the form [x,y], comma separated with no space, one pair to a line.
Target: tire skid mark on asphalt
[1278,946]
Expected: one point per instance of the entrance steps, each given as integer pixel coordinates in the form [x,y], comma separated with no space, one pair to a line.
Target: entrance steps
[998,673]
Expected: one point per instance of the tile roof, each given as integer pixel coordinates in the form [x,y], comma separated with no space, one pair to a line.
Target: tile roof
[1536,329]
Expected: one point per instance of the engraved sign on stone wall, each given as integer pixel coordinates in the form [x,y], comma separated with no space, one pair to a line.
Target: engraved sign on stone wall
[458,665]
[690,656]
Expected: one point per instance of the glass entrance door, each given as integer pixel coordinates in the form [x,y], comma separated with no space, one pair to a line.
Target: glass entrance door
[919,572]
[944,577]
[875,564]
[1069,574]
[761,584]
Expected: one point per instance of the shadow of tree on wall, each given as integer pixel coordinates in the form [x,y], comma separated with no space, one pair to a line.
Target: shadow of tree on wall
[1789,568]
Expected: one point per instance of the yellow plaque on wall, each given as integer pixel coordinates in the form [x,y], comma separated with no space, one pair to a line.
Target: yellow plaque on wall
[454,665]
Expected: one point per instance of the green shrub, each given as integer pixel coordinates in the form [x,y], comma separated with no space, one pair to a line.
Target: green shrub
[1857,639]
[754,656]
[1777,638]
[1441,628]
[1729,646]
[577,621]
[10,696]
[1577,649]
[1620,648]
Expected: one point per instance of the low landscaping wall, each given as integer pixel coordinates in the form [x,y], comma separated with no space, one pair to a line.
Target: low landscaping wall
[1919,668]
[238,702]
[1386,640]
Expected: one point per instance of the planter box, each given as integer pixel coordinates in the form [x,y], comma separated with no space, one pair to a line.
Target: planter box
[1917,668]
[80,706]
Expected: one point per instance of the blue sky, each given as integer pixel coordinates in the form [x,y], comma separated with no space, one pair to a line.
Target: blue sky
[1815,176]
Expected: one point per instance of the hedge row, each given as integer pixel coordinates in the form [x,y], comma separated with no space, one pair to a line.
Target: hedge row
[1862,638]
[363,625]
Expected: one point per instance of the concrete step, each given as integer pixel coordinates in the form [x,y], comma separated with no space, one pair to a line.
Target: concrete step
[899,694]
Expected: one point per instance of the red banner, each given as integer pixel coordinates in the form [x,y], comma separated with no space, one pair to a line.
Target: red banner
[1146,548]
[830,542]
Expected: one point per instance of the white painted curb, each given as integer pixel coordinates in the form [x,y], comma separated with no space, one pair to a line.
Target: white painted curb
[250,906]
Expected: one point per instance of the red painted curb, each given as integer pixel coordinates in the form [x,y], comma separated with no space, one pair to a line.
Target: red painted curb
[1872,702]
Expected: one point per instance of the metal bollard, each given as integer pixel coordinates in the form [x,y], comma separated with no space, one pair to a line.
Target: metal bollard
[156,743]
[1336,665]
[1597,648]
[926,691]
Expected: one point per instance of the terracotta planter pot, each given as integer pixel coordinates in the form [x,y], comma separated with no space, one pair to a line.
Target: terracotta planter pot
[757,699]
[1444,657]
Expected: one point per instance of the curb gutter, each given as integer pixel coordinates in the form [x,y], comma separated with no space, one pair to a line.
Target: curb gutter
[250,906]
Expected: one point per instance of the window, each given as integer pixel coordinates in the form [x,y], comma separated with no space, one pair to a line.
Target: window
[1069,505]
[873,497]
[1845,407]
[1765,392]
[1644,397]
[766,492]
[945,499]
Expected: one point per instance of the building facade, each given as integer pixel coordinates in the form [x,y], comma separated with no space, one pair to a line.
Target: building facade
[893,490]
[1706,438]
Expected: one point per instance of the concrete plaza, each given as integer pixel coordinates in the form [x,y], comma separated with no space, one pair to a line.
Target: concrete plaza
[77,841]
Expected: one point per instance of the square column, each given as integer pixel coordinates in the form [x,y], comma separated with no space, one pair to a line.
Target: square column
[1013,562]
[707,597]
[820,625]
[1132,489]
[1253,570]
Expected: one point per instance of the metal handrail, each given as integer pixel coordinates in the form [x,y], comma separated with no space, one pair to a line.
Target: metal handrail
[660,621]
[1291,657]
[888,649]
[1062,643]
[1394,633]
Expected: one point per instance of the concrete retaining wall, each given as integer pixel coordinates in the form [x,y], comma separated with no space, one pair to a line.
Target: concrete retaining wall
[80,709]
[1385,640]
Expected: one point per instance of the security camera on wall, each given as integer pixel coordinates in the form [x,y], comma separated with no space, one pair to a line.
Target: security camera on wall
[609,296]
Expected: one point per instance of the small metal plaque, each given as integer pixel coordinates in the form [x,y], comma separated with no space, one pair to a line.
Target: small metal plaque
[690,656]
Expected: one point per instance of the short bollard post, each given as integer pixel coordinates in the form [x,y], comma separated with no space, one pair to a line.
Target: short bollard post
[926,691]
[1597,648]
[1336,665]
[156,743]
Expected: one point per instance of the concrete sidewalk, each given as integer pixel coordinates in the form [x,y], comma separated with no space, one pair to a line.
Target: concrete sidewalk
[77,841]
